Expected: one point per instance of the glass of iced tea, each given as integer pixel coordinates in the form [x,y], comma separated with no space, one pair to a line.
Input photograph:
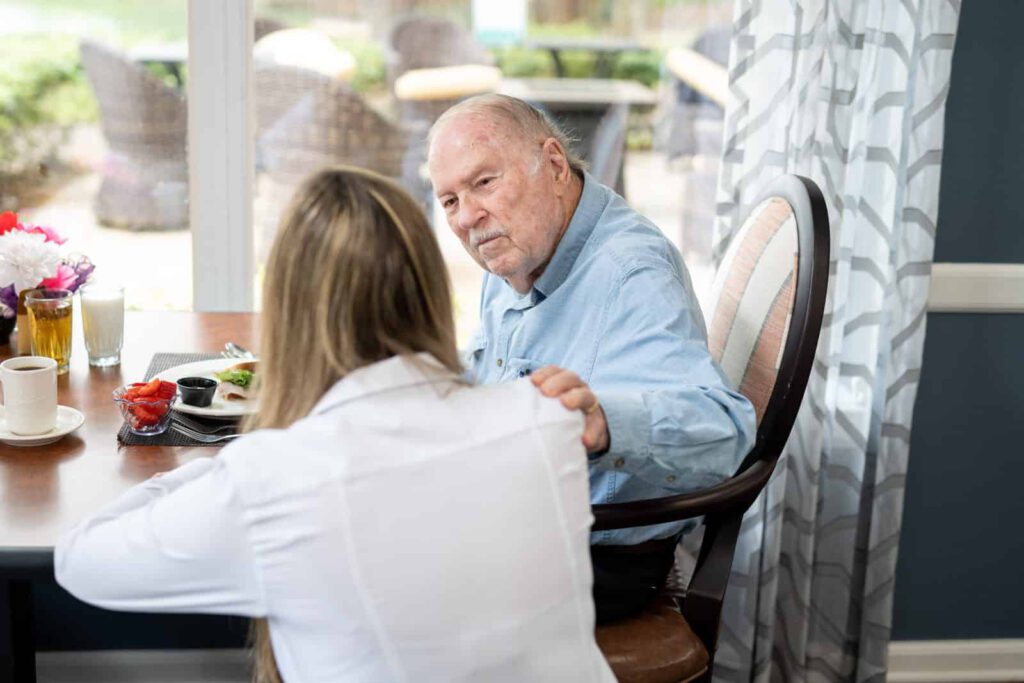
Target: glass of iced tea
[49,325]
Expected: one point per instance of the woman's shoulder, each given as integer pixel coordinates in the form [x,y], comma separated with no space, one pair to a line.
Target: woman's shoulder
[520,398]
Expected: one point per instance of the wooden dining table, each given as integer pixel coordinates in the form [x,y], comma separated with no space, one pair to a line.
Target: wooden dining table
[46,489]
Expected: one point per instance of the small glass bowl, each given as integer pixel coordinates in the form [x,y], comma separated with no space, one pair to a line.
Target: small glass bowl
[146,416]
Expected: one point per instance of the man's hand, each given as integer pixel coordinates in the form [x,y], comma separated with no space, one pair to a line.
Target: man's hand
[574,394]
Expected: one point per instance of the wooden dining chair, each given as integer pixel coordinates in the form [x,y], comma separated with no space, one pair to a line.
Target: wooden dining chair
[768,302]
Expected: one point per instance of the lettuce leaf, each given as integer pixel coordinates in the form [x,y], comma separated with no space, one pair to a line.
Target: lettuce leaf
[242,378]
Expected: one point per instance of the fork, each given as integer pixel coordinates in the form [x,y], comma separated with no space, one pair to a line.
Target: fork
[203,438]
[197,426]
[233,350]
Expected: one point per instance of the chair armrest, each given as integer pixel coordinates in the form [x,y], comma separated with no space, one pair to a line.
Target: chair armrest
[738,491]
[702,605]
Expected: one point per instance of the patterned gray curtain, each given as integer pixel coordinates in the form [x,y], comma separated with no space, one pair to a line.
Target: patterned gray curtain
[850,93]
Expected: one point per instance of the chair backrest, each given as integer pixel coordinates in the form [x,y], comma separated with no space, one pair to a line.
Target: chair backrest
[767,301]
[306,120]
[262,26]
[609,145]
[419,42]
[141,116]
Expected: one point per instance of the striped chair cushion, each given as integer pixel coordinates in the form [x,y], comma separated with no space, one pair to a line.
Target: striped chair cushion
[752,301]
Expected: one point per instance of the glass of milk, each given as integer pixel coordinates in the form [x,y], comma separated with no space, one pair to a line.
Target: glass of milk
[103,322]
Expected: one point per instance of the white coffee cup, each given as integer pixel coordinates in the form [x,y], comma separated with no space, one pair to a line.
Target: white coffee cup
[30,394]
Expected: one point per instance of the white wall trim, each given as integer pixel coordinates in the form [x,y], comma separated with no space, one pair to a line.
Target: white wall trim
[220,153]
[977,288]
[956,661]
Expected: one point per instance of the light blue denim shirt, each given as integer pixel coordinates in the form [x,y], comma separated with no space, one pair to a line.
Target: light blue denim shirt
[615,305]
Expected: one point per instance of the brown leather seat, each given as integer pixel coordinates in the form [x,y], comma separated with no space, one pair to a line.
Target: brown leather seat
[656,646]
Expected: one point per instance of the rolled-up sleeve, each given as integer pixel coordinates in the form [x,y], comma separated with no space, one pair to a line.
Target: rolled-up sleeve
[673,420]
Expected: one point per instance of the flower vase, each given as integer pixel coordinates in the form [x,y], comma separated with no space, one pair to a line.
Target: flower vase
[24,339]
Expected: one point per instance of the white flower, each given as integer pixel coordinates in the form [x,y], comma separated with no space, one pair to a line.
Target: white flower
[26,259]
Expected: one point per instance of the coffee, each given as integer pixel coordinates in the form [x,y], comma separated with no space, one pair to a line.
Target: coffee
[30,398]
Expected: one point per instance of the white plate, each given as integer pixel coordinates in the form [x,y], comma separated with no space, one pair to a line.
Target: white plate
[207,368]
[68,420]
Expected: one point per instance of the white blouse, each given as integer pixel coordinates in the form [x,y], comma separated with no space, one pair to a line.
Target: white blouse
[411,528]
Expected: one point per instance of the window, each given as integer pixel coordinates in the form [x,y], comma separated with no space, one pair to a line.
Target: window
[93,133]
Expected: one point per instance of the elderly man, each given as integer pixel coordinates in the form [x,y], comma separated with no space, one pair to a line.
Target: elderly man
[588,298]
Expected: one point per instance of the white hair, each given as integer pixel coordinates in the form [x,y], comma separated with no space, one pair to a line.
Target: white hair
[521,119]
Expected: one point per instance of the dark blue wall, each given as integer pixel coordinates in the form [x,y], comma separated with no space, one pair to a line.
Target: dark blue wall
[961,554]
[981,203]
[962,549]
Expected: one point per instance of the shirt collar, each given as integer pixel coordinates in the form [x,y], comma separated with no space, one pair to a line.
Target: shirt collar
[584,218]
[397,372]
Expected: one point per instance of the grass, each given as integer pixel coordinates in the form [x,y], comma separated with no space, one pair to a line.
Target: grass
[131,21]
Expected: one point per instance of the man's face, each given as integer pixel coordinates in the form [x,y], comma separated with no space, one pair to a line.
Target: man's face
[501,195]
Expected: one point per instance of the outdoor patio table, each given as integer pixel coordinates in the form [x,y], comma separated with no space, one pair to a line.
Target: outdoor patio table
[45,489]
[605,50]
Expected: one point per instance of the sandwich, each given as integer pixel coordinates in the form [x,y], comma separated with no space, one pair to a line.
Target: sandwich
[237,383]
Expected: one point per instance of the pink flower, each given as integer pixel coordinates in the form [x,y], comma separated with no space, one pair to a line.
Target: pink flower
[8,221]
[64,279]
[49,233]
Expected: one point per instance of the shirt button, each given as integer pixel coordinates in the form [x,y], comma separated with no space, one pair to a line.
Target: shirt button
[670,477]
[620,462]
[499,362]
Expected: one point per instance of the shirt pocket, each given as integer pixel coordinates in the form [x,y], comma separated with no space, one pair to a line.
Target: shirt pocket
[521,367]
[474,350]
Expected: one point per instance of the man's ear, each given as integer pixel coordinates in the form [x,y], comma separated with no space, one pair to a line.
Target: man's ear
[557,160]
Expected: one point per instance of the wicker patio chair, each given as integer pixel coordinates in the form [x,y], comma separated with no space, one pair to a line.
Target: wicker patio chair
[145,173]
[307,121]
[419,42]
[264,25]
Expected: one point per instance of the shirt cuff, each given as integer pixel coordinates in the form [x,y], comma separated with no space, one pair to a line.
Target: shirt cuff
[629,428]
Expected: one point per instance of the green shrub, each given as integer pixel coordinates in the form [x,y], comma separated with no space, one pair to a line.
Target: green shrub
[638,66]
[518,62]
[578,63]
[42,88]
[370,68]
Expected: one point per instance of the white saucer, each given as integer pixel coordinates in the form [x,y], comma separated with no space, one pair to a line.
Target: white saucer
[68,420]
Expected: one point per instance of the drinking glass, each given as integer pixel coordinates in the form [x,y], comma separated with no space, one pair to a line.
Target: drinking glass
[103,323]
[49,325]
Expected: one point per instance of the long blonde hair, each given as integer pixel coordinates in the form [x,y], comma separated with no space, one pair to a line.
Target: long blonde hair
[355,276]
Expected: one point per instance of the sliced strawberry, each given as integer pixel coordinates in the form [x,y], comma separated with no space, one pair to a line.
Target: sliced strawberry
[150,388]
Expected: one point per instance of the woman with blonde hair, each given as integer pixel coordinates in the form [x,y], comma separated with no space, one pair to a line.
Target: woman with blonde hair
[381,520]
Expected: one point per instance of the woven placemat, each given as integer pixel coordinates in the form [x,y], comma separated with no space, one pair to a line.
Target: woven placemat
[172,437]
